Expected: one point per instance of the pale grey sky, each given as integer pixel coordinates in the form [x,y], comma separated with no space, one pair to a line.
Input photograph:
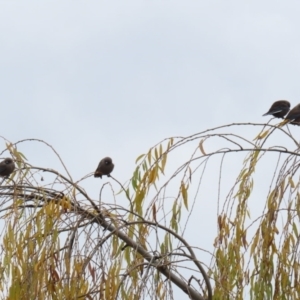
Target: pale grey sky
[98,78]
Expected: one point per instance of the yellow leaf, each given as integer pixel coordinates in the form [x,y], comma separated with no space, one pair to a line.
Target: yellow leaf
[149,157]
[114,246]
[138,200]
[163,162]
[139,157]
[291,182]
[156,153]
[254,243]
[36,267]
[283,123]
[152,175]
[261,135]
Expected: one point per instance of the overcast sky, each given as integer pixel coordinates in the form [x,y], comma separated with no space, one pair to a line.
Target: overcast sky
[112,78]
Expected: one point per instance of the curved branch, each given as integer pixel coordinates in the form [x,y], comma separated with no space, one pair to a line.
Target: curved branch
[150,258]
[79,189]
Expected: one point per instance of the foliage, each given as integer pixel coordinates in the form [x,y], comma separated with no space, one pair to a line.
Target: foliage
[59,243]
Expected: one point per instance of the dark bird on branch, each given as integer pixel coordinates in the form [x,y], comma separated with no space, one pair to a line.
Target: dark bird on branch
[294,115]
[105,167]
[6,167]
[279,109]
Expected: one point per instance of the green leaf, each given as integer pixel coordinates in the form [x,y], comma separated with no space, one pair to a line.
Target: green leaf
[183,190]
[138,201]
[22,155]
[295,229]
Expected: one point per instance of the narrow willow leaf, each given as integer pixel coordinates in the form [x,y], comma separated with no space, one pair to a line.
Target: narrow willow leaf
[162,248]
[22,155]
[160,150]
[154,212]
[183,190]
[174,208]
[138,200]
[9,146]
[139,157]
[190,174]
[134,185]
[127,193]
[163,162]
[244,240]
[145,166]
[149,157]
[295,229]
[242,174]
[114,246]
[174,219]
[167,242]
[156,153]
[283,123]
[254,160]
[152,175]
[158,289]
[108,283]
[179,213]
[220,222]
[291,182]
[272,198]
[261,135]
[201,147]
[254,244]
[174,224]
[245,176]
[127,255]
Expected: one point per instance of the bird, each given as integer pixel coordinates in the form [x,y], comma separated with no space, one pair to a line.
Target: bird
[105,167]
[279,109]
[294,115]
[7,166]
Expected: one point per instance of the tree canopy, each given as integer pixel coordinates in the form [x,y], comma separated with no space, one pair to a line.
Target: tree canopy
[143,239]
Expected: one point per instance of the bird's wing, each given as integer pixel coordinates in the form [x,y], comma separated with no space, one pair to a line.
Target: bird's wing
[274,111]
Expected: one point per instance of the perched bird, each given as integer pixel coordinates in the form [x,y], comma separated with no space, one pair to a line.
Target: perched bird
[6,167]
[279,109]
[294,115]
[105,167]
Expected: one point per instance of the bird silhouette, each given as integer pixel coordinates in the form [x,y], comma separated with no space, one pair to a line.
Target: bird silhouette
[105,167]
[279,109]
[294,115]
[7,166]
